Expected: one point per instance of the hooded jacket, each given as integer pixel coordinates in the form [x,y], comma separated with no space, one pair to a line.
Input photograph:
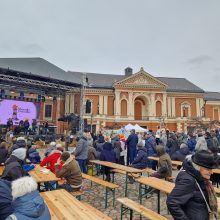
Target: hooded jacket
[108,153]
[81,152]
[172,144]
[3,155]
[5,199]
[201,144]
[13,165]
[181,154]
[140,161]
[33,156]
[27,202]
[185,202]
[51,160]
[164,163]
[150,144]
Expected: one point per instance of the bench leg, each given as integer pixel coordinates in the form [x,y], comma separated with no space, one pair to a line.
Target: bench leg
[158,201]
[106,197]
[126,184]
[140,193]
[113,195]
[124,210]
[131,214]
[113,177]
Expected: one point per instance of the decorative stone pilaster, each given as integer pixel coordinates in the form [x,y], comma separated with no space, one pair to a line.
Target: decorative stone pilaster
[173,107]
[164,109]
[152,109]
[101,104]
[105,105]
[117,104]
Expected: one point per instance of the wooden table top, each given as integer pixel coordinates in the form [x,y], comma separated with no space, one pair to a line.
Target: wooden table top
[117,166]
[42,177]
[63,206]
[174,162]
[1,169]
[156,183]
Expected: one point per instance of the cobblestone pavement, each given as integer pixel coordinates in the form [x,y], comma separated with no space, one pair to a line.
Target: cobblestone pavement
[95,196]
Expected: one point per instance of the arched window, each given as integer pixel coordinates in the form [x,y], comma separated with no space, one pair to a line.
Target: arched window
[158,108]
[124,108]
[185,109]
[88,107]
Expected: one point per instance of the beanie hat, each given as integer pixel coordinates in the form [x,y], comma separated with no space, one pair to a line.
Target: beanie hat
[183,145]
[65,156]
[52,144]
[20,153]
[205,159]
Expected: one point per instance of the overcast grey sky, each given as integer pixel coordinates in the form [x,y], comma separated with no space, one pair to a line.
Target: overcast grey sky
[173,38]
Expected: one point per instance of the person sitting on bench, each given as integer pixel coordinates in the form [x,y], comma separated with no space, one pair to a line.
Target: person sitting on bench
[70,172]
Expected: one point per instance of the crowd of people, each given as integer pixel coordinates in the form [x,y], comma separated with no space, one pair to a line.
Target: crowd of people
[198,151]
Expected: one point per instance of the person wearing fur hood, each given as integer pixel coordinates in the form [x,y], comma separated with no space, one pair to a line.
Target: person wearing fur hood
[13,165]
[27,202]
[52,158]
[70,172]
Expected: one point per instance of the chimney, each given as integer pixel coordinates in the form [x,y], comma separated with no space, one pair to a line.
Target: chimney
[128,71]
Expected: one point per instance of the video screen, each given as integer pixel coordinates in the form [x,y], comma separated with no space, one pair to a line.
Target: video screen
[17,111]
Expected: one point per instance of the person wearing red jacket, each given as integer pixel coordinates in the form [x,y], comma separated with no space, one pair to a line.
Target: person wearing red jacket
[50,161]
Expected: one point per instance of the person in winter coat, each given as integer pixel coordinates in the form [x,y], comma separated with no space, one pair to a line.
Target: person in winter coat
[70,172]
[5,199]
[20,143]
[13,165]
[164,164]
[51,147]
[109,155]
[81,152]
[52,158]
[150,145]
[172,144]
[99,146]
[27,202]
[191,142]
[33,155]
[140,161]
[117,147]
[210,143]
[92,154]
[181,154]
[131,144]
[186,201]
[3,152]
[201,143]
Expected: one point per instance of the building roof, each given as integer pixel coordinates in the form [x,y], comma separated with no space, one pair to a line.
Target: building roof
[107,80]
[180,85]
[212,96]
[41,67]
[36,66]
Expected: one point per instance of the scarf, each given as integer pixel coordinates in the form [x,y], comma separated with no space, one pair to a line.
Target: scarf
[212,196]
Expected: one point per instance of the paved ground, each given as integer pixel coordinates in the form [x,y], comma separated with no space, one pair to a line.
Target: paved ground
[95,196]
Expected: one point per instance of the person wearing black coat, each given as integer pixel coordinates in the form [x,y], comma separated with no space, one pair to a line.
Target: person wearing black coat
[172,144]
[13,165]
[5,199]
[108,154]
[181,154]
[186,201]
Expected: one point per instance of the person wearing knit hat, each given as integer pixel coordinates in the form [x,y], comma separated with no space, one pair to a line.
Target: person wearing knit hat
[13,166]
[70,172]
[193,196]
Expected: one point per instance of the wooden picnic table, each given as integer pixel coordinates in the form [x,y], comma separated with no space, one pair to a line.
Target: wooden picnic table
[120,167]
[63,206]
[174,162]
[159,184]
[1,169]
[42,177]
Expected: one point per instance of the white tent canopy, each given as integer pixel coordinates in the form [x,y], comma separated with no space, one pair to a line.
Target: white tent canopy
[129,127]
[138,128]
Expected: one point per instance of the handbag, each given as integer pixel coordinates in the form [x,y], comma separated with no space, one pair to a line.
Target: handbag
[212,215]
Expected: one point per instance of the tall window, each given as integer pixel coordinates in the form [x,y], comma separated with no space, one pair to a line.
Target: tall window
[48,111]
[88,107]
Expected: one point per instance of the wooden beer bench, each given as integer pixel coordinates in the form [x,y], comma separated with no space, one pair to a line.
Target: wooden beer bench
[63,206]
[127,204]
[108,186]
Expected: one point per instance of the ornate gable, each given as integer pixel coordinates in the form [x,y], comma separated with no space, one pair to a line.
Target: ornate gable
[140,79]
